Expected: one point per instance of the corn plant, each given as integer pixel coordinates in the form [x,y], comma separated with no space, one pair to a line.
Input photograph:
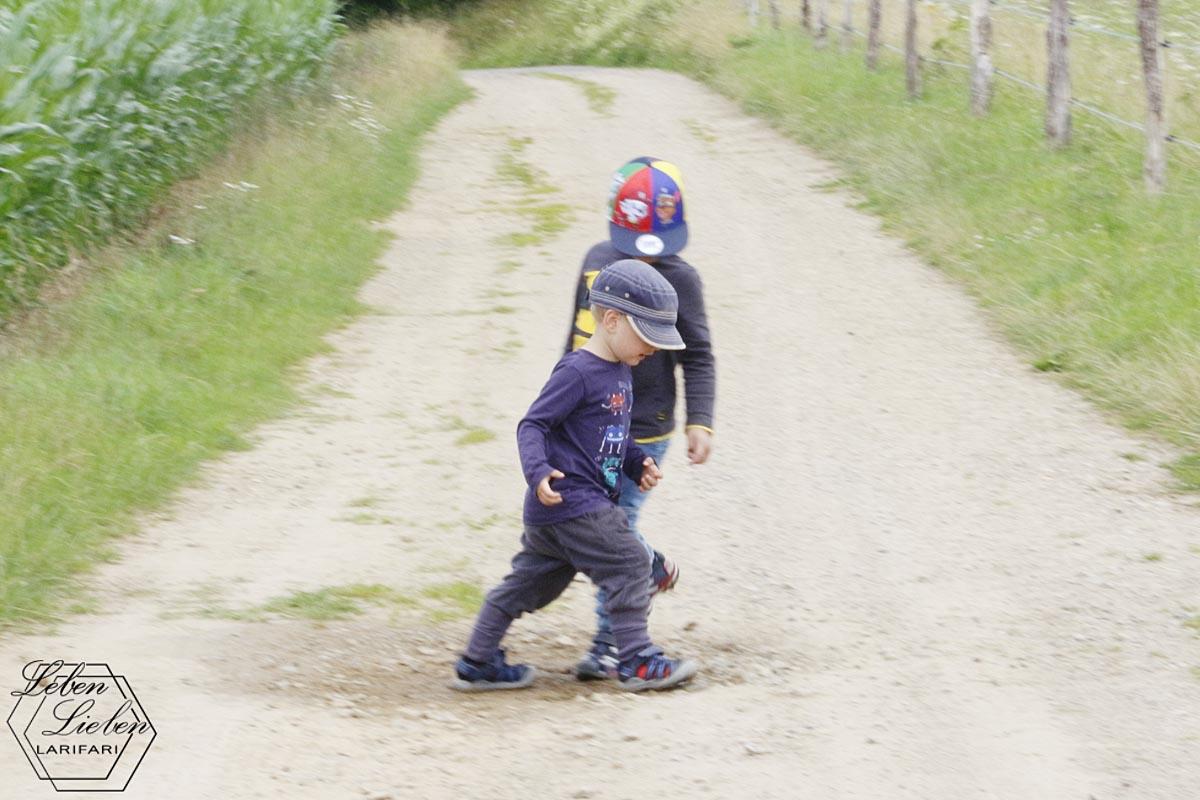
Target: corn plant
[103,102]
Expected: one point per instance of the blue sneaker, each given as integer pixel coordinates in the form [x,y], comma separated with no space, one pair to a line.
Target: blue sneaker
[476,676]
[650,669]
[600,662]
[664,574]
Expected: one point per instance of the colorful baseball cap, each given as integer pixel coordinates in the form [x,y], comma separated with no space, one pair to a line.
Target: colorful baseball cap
[642,294]
[645,208]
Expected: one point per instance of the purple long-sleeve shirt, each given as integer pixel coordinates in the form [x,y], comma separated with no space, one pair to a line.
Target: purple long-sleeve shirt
[579,425]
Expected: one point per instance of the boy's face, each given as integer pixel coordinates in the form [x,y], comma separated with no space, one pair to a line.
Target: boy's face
[626,345]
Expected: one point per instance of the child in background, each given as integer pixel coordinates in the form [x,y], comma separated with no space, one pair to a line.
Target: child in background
[646,222]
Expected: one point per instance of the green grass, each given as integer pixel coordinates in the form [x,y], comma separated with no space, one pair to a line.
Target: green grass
[1093,280]
[700,131]
[491,520]
[470,434]
[484,312]
[503,33]
[370,501]
[169,354]
[542,220]
[368,518]
[599,97]
[105,102]
[457,599]
[335,602]
[440,602]
[475,436]
[515,170]
[1187,471]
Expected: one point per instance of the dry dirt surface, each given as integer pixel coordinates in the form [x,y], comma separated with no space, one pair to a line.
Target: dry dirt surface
[914,568]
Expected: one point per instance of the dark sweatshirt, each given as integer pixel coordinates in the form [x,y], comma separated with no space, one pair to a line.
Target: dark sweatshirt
[654,378]
[579,425]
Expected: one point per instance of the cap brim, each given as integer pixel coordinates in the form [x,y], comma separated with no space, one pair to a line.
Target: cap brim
[627,241]
[657,334]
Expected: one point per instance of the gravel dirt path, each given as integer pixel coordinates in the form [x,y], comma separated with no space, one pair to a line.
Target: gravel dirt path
[914,568]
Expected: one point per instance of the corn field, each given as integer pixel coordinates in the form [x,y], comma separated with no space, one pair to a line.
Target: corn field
[104,102]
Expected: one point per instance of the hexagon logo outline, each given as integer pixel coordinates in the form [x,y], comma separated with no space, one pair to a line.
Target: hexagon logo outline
[91,682]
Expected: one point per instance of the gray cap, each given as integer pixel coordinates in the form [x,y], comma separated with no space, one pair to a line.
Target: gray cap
[638,290]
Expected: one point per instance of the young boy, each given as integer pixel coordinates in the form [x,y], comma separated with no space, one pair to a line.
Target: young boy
[646,222]
[575,448]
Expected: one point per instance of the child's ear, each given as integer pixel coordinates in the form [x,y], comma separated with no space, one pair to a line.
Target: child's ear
[611,319]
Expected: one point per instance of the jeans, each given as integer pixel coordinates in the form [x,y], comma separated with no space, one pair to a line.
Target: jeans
[631,500]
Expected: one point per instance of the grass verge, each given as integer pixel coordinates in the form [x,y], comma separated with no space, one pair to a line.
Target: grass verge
[439,602]
[1093,279]
[334,602]
[176,345]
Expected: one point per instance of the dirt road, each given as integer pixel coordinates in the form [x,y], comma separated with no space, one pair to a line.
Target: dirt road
[915,568]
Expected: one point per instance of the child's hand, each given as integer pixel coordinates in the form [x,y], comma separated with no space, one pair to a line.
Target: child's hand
[651,475]
[699,445]
[545,494]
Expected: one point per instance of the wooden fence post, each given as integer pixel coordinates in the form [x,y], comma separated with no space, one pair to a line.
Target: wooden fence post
[1058,75]
[806,14]
[752,12]
[874,13]
[982,70]
[912,76]
[1154,169]
[848,24]
[774,6]
[822,23]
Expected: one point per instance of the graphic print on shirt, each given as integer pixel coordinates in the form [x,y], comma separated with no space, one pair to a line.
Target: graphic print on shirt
[614,440]
[616,403]
[611,468]
[612,443]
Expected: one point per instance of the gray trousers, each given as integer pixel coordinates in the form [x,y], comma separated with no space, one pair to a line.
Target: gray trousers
[601,545]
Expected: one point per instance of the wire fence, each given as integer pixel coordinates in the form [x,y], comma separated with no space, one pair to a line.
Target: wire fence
[1077,25]
[1086,27]
[1082,26]
[1030,14]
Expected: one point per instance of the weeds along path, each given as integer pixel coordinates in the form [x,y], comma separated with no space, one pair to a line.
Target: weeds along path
[915,568]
